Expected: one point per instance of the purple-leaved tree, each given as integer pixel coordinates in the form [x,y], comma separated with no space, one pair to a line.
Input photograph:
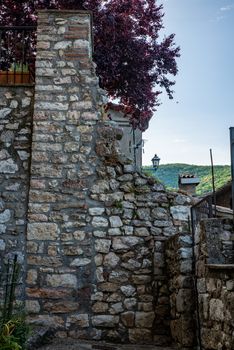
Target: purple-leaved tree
[132,63]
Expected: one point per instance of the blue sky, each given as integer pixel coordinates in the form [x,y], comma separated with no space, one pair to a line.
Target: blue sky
[198,118]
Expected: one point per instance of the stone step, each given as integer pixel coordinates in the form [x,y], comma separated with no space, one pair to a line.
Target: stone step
[73,344]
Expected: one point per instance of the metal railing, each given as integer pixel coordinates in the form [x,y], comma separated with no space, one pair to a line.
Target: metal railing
[17,55]
[203,209]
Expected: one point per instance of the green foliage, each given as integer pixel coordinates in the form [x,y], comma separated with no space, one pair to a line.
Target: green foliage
[13,328]
[118,204]
[8,341]
[168,174]
[19,68]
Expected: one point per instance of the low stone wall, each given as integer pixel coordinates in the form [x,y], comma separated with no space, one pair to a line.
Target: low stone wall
[136,217]
[113,276]
[16,109]
[215,282]
[181,286]
[216,237]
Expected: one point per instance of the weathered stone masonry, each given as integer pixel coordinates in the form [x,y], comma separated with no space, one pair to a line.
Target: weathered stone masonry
[59,246]
[93,223]
[16,107]
[215,280]
[211,286]
[96,228]
[94,251]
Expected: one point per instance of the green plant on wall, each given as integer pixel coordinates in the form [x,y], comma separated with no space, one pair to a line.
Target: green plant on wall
[13,329]
[118,204]
[19,68]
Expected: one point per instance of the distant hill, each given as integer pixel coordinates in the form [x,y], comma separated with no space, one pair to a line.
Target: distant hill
[168,174]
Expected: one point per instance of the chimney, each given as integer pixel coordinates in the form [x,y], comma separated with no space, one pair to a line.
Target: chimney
[188,183]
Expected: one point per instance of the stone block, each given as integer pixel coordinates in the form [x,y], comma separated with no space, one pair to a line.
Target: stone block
[185,253]
[32,306]
[32,277]
[100,222]
[96,211]
[129,168]
[116,308]
[5,216]
[47,261]
[119,276]
[46,320]
[108,287]
[8,166]
[128,290]
[216,310]
[123,243]
[63,280]
[142,232]
[49,293]
[78,262]
[62,45]
[100,307]
[2,245]
[111,260]
[47,170]
[106,321]
[102,245]
[140,335]
[130,303]
[60,307]
[141,279]
[180,212]
[144,319]
[42,231]
[51,106]
[115,221]
[143,213]
[128,319]
[4,112]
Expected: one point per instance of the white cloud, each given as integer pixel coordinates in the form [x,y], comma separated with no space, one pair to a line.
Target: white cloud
[179,141]
[220,18]
[227,8]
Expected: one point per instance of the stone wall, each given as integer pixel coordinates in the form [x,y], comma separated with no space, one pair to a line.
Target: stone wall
[96,228]
[179,260]
[136,217]
[16,109]
[215,281]
[211,288]
[217,238]
[59,240]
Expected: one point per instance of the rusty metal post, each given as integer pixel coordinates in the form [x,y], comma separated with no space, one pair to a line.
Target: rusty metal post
[232,164]
[213,181]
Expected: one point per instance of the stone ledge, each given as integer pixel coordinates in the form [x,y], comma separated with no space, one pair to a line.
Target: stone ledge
[17,85]
[220,266]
